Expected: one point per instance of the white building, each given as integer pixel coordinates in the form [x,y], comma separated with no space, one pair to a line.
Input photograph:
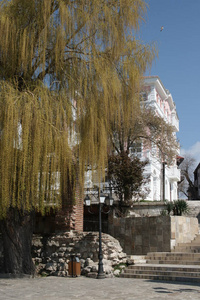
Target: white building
[163,179]
[160,100]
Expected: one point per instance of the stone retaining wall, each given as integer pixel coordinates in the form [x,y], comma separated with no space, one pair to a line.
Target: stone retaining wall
[194,209]
[140,235]
[183,229]
[153,208]
[52,254]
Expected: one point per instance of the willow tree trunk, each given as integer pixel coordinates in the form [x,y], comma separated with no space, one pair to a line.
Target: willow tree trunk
[17,230]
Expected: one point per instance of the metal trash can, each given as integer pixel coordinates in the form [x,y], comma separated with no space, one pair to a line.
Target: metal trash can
[74,266]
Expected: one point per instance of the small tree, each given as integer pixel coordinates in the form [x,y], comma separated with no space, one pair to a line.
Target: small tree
[126,176]
[186,185]
[140,126]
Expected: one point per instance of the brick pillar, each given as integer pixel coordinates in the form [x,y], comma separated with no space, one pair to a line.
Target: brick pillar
[79,209]
[70,217]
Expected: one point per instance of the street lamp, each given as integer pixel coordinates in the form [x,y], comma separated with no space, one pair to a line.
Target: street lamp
[163,181]
[108,200]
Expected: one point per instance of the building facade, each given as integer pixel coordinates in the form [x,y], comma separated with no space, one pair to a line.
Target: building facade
[197,181]
[163,179]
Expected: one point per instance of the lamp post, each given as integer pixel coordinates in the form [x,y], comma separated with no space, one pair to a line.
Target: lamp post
[102,200]
[163,169]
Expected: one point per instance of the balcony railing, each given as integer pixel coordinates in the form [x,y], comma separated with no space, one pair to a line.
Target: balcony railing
[173,173]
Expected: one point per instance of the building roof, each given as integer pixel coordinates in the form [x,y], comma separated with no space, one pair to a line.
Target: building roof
[154,79]
[198,166]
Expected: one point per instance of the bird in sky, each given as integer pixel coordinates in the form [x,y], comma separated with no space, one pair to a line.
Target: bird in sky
[162,27]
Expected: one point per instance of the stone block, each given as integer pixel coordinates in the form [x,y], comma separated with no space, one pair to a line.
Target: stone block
[153,240]
[138,250]
[51,266]
[138,240]
[173,235]
[160,238]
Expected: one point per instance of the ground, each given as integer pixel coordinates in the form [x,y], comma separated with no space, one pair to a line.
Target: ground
[56,288]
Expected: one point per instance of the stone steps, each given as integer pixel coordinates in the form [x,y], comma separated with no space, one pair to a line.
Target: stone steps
[177,257]
[182,273]
[136,259]
[173,258]
[167,266]
[173,254]
[172,262]
[182,264]
[193,246]
[188,249]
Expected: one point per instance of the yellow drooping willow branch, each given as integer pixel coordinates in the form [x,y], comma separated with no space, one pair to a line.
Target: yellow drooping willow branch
[34,139]
[64,71]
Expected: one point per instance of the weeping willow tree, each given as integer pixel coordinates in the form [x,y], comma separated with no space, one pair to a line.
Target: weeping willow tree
[59,93]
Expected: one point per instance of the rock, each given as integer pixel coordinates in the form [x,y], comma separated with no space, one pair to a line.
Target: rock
[92,275]
[83,245]
[62,249]
[94,268]
[52,243]
[88,262]
[86,270]
[69,249]
[38,260]
[116,272]
[51,266]
[108,269]
[61,254]
[37,242]
[112,255]
[121,255]
[110,275]
[60,274]
[55,254]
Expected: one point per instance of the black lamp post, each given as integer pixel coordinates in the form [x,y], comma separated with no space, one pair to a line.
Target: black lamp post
[163,169]
[102,200]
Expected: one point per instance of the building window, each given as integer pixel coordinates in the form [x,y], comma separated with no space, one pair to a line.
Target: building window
[136,149]
[144,96]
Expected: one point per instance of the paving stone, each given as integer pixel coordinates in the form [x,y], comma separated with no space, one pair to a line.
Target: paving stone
[57,288]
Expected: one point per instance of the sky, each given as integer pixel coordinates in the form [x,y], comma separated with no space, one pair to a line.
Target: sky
[178,62]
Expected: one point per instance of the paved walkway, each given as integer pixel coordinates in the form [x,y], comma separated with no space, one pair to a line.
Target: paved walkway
[82,288]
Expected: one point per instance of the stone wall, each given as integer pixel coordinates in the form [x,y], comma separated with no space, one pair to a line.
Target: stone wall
[153,208]
[52,254]
[140,235]
[183,229]
[194,209]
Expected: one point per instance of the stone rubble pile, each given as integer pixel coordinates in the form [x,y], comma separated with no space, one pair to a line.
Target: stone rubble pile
[52,254]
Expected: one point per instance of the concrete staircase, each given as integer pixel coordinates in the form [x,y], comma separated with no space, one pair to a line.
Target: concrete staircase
[182,264]
[193,246]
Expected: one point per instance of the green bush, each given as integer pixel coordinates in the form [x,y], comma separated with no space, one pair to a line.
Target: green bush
[169,207]
[120,267]
[178,207]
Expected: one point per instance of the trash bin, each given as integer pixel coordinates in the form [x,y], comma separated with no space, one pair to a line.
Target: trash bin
[74,266]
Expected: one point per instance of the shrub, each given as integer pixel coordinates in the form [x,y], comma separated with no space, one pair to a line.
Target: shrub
[169,207]
[178,207]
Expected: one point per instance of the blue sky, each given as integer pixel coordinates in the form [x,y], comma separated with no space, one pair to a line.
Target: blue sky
[178,62]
